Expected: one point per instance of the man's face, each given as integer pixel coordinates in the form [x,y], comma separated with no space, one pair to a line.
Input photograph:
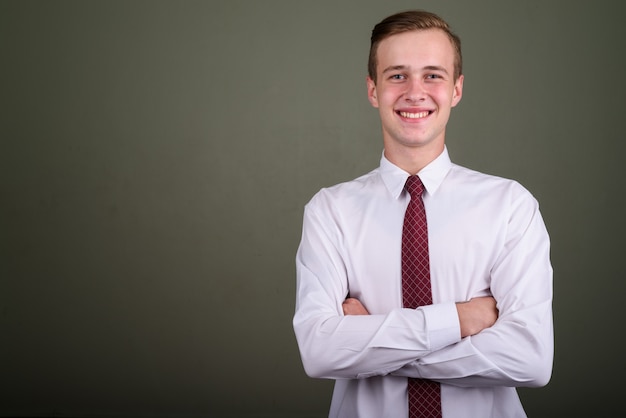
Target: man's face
[415,88]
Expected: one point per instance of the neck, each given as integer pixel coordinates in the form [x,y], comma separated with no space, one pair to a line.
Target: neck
[413,160]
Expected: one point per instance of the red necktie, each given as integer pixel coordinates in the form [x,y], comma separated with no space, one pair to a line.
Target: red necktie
[424,395]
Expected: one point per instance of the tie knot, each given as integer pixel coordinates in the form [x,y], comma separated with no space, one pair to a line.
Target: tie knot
[414,186]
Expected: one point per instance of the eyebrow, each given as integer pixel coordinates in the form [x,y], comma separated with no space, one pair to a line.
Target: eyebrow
[405,67]
[394,68]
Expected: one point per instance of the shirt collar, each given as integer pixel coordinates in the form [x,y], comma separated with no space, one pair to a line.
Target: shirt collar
[432,175]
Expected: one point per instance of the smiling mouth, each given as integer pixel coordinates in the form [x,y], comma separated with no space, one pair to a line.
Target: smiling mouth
[418,115]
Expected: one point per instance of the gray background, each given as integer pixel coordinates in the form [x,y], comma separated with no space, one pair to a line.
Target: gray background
[155,158]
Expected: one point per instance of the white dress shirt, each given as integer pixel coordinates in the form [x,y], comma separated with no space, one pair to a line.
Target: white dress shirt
[486,237]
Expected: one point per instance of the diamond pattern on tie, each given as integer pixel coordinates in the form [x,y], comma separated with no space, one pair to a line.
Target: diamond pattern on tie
[424,395]
[416,289]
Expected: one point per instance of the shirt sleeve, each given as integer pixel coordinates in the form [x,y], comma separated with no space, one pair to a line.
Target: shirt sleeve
[355,346]
[518,349]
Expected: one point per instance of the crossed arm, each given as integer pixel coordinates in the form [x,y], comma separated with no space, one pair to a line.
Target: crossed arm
[474,315]
[469,343]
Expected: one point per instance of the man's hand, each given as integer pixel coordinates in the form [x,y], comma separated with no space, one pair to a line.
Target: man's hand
[352,306]
[476,315]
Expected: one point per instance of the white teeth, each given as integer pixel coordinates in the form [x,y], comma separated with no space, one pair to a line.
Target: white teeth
[414,115]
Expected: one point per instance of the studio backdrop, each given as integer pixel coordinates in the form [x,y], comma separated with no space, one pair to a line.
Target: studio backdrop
[155,158]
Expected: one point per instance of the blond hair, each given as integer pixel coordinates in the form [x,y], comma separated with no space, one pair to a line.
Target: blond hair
[409,21]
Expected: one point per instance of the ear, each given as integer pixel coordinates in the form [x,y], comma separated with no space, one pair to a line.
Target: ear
[458,91]
[371,92]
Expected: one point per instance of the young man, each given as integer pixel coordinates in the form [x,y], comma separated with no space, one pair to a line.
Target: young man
[487,324]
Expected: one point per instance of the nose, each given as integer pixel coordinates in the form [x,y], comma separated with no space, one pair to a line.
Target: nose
[415,91]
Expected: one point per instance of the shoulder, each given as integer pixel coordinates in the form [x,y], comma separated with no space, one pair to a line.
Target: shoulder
[349,192]
[486,183]
[508,195]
